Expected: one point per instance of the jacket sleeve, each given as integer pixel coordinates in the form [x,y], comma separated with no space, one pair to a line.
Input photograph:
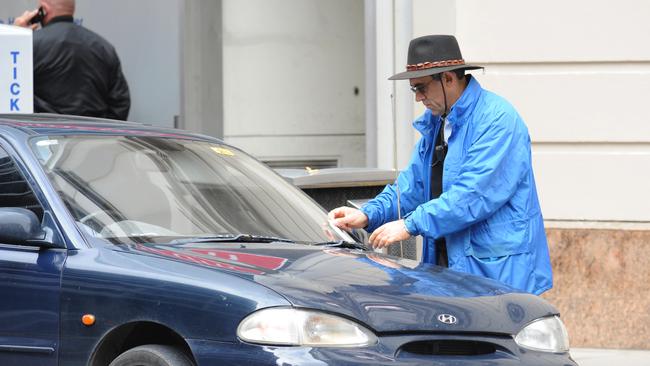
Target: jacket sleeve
[383,208]
[119,98]
[493,167]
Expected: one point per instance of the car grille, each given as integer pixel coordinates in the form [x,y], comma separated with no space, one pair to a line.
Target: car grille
[449,347]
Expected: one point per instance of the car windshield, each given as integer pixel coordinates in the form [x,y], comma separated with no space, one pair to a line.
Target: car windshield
[135,189]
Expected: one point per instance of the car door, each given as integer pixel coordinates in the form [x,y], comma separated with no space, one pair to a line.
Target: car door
[29,282]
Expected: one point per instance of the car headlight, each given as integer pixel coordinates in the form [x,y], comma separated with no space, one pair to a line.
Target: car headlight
[546,334]
[296,327]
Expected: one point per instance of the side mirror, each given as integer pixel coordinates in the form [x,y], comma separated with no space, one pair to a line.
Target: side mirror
[19,226]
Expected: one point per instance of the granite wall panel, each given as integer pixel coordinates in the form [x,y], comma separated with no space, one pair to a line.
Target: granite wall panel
[602,286]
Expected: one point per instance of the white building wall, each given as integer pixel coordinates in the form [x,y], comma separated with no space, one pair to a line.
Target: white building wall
[149,50]
[579,74]
[202,68]
[389,136]
[290,68]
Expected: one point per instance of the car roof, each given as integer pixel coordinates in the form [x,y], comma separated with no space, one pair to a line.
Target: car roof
[58,124]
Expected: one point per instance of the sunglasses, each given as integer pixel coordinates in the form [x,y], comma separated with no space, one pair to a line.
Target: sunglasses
[422,88]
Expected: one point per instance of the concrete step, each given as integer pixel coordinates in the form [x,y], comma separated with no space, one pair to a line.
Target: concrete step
[610,357]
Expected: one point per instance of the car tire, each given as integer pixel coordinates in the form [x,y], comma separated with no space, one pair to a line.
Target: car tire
[152,355]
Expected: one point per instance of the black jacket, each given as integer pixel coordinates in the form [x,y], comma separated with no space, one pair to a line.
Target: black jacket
[77,72]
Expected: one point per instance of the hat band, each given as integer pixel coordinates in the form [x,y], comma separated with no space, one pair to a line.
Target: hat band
[429,65]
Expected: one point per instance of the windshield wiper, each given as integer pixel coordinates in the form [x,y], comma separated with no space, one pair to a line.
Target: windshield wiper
[240,238]
[342,244]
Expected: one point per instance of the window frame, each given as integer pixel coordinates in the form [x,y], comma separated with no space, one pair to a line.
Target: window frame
[50,220]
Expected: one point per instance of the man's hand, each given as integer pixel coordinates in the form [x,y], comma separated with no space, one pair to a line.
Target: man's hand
[23,20]
[348,218]
[388,234]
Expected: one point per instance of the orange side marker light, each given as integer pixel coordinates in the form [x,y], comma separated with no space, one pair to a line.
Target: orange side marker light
[88,319]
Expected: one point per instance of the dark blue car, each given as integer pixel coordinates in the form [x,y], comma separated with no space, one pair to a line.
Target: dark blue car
[122,244]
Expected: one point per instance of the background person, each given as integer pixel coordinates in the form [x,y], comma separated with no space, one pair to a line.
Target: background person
[469,188]
[76,71]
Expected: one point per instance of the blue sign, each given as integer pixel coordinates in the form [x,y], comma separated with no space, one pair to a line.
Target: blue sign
[14,87]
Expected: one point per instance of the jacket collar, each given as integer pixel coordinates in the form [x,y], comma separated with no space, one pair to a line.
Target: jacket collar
[424,124]
[60,18]
[463,106]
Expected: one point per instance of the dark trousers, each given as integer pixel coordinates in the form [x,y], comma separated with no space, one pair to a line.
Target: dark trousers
[441,253]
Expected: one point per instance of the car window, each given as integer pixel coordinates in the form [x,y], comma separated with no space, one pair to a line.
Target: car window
[14,189]
[138,188]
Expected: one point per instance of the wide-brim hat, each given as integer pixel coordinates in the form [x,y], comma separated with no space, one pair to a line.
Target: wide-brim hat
[429,55]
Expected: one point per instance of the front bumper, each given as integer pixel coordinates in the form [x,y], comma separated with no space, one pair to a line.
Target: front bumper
[390,350]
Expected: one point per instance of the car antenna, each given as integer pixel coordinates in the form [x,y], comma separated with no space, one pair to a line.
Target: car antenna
[399,207]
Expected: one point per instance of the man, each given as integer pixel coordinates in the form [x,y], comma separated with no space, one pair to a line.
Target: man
[469,188]
[75,70]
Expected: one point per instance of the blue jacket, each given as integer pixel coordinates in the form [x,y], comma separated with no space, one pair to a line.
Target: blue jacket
[488,212]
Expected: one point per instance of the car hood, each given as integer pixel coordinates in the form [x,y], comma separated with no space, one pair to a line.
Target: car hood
[388,294]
